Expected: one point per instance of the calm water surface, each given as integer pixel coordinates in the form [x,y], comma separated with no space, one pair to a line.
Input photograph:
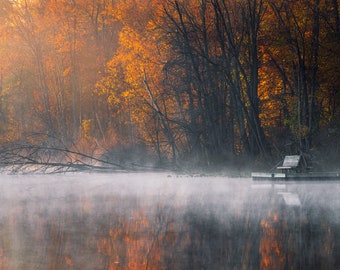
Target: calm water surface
[167,221]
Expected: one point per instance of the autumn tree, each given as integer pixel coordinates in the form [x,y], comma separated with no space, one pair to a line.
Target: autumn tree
[223,77]
[24,27]
[295,53]
[63,49]
[133,85]
[217,48]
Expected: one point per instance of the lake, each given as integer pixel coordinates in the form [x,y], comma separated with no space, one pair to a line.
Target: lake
[167,221]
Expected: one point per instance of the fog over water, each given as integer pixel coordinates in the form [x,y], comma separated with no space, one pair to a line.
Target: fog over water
[167,221]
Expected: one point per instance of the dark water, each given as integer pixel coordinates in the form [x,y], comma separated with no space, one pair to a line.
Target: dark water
[164,221]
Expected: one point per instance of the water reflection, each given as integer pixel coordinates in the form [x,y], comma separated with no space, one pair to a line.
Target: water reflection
[134,221]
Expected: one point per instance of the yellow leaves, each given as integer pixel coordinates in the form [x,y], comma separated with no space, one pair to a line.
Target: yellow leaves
[87,128]
[129,38]
[67,71]
[128,94]
[139,50]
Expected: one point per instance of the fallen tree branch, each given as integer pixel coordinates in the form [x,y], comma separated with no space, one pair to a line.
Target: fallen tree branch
[25,158]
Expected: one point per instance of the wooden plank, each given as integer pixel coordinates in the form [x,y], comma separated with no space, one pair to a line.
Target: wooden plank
[289,176]
[279,175]
[284,167]
[261,176]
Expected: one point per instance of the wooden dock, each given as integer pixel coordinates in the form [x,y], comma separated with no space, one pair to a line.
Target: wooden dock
[294,176]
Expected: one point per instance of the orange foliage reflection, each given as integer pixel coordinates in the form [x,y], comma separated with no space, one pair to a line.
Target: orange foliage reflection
[271,245]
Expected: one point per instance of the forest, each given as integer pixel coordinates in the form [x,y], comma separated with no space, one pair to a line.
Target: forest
[206,83]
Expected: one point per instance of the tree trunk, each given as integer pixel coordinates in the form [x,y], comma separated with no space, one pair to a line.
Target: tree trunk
[164,123]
